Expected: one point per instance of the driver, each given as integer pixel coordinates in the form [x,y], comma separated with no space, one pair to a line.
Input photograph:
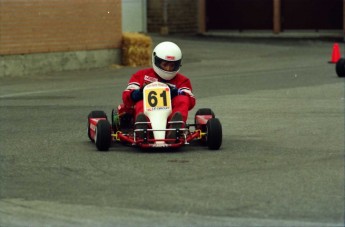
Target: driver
[166,63]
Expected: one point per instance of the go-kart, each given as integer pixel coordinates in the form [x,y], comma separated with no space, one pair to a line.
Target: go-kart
[340,67]
[157,108]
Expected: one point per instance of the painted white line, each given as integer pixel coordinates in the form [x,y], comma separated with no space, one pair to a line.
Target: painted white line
[11,95]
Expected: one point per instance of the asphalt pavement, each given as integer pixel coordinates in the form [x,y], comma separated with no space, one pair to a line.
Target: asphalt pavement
[281,163]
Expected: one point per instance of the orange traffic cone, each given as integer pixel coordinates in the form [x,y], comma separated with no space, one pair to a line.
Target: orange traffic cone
[335,54]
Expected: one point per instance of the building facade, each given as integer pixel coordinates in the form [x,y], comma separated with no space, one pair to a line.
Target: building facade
[200,16]
[178,16]
[134,16]
[39,36]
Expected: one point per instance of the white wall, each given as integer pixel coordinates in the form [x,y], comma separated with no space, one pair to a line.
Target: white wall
[134,16]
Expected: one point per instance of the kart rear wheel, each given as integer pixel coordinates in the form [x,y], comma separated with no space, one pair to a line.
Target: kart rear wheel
[94,114]
[214,134]
[340,67]
[103,135]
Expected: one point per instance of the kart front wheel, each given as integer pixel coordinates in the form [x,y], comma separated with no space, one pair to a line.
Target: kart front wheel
[340,67]
[214,134]
[103,135]
[94,114]
[201,125]
[203,111]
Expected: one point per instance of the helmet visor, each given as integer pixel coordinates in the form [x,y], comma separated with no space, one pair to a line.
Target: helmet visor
[169,66]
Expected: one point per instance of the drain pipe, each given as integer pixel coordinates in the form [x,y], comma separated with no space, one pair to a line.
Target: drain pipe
[165,28]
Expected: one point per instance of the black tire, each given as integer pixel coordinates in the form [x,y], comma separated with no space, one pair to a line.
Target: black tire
[97,114]
[214,134]
[340,67]
[203,111]
[103,135]
[94,114]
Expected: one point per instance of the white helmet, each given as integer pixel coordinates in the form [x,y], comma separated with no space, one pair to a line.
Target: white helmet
[169,52]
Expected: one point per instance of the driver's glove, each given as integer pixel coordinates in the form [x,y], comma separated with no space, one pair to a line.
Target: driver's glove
[175,92]
[137,95]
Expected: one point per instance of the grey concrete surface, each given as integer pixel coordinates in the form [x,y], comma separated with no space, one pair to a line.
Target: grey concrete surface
[25,65]
[281,163]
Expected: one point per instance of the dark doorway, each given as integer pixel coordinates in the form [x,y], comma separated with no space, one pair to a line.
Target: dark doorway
[239,14]
[312,14]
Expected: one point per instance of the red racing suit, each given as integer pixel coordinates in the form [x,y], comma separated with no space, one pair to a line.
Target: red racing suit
[182,103]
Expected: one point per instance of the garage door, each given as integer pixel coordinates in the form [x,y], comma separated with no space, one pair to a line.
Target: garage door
[239,14]
[312,14]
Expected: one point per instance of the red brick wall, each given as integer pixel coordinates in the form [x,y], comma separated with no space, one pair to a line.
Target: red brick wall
[182,16]
[36,26]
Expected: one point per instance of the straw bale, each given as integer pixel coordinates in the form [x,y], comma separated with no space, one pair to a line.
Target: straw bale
[136,49]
